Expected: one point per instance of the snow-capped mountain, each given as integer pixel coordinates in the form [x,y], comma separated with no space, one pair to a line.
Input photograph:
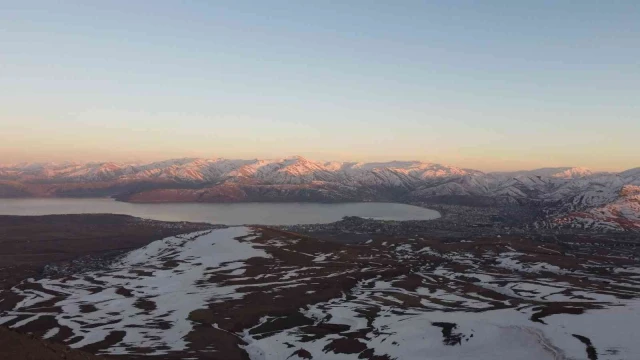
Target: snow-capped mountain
[293,170]
[620,213]
[196,179]
[560,191]
[559,172]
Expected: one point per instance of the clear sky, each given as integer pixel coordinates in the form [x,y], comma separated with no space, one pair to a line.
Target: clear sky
[491,85]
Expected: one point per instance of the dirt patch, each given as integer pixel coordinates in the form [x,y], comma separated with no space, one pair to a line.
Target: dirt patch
[345,346]
[145,304]
[449,337]
[555,308]
[301,353]
[88,308]
[124,292]
[592,354]
[14,345]
[112,338]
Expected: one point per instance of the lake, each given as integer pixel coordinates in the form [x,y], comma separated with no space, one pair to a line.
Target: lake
[229,214]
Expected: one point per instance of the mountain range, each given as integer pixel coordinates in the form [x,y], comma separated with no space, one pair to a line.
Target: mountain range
[569,196]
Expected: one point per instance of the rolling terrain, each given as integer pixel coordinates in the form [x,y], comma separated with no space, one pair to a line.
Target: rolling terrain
[261,293]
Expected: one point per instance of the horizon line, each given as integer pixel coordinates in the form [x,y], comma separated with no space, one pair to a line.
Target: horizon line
[147,162]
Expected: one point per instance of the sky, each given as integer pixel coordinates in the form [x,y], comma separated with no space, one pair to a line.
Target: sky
[489,85]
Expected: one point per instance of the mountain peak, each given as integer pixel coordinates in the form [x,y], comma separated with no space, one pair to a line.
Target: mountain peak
[297,158]
[573,172]
[550,172]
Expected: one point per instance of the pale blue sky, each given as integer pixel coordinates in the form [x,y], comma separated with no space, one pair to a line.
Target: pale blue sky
[491,85]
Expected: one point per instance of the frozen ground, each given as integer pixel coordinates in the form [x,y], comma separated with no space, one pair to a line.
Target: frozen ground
[266,294]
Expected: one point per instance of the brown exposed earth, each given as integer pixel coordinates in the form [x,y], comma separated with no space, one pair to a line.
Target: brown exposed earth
[17,346]
[27,243]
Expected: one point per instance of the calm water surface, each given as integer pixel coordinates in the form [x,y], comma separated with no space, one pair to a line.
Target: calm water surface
[230,214]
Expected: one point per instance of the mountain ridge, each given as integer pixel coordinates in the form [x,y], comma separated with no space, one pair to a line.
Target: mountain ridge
[561,191]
